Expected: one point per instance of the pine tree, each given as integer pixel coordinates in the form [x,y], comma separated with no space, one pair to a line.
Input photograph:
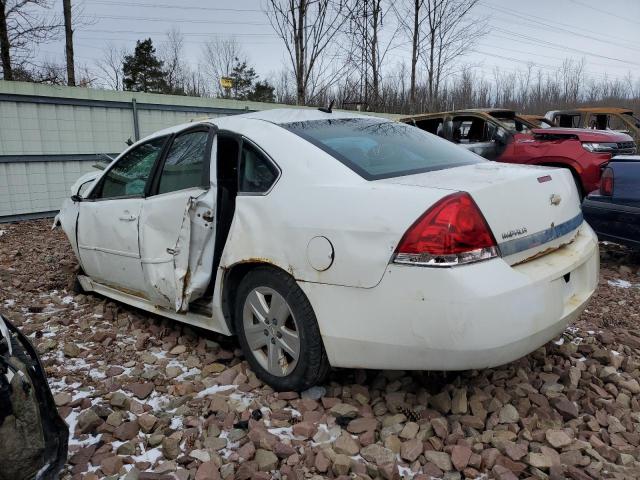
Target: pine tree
[243,77]
[262,92]
[143,70]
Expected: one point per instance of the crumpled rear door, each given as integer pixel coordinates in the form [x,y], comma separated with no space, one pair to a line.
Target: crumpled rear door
[176,245]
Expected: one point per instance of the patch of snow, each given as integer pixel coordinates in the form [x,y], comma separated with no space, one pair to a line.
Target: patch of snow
[191,373]
[150,456]
[560,341]
[215,389]
[72,421]
[620,283]
[10,302]
[176,423]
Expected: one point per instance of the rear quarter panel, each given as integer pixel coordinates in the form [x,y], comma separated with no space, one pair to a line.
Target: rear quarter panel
[315,196]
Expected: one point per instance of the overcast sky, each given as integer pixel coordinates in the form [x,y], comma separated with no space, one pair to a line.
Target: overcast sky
[543,32]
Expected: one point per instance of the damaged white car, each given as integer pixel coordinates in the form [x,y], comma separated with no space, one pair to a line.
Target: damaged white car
[332,239]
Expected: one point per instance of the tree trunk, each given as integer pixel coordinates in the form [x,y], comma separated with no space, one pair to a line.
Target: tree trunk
[4,44]
[301,74]
[68,33]
[375,73]
[414,51]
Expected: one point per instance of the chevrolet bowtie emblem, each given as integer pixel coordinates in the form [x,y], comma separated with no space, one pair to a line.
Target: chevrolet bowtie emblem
[555,199]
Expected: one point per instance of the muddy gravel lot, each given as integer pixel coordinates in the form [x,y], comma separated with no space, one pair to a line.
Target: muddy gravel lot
[149,398]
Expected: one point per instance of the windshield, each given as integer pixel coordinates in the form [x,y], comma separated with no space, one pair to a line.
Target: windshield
[375,148]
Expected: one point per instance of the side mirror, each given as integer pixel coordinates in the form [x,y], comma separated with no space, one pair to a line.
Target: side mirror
[76,198]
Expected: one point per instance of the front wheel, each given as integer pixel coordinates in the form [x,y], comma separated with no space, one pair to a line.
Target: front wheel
[278,331]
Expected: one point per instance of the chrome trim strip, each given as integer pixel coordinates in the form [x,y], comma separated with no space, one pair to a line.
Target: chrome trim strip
[540,238]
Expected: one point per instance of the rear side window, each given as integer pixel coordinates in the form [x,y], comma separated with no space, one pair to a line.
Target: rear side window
[376,148]
[185,162]
[128,177]
[257,173]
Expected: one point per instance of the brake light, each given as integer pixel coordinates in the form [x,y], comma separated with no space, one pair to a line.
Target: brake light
[606,182]
[451,232]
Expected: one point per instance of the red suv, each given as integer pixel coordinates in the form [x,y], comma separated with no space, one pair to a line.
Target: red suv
[503,136]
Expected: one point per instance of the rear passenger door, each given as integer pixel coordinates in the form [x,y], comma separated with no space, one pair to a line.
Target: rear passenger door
[476,134]
[177,226]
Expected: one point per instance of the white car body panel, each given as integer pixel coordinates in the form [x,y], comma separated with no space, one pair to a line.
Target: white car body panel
[371,313]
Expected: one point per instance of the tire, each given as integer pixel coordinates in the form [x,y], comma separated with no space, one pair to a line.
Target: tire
[77,287]
[271,312]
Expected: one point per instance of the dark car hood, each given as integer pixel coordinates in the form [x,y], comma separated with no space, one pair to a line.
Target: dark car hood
[585,135]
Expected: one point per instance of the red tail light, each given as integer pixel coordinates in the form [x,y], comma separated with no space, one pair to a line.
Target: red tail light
[451,232]
[606,182]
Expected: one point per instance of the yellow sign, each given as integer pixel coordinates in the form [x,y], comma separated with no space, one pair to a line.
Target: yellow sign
[226,82]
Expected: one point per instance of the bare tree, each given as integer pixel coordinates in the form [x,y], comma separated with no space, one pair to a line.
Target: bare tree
[173,57]
[308,29]
[411,17]
[451,33]
[219,57]
[369,48]
[22,28]
[109,67]
[68,37]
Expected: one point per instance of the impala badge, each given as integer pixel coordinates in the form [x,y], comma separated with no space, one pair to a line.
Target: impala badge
[555,199]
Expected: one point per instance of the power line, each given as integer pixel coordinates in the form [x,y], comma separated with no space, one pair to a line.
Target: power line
[179,7]
[635,22]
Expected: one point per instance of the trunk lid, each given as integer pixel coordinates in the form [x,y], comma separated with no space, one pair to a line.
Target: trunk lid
[531,210]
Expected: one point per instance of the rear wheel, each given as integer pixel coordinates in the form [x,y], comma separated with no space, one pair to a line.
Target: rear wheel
[278,331]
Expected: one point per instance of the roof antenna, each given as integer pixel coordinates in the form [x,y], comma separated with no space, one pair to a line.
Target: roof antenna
[328,109]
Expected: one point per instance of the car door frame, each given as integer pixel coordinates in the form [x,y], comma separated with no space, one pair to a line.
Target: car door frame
[173,279]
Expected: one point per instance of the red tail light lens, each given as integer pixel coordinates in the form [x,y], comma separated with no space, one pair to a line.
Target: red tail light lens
[606,182]
[451,232]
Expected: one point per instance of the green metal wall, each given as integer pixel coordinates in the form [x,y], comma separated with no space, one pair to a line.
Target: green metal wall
[50,135]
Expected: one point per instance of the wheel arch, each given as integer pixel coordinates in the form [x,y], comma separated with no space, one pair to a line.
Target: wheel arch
[233,275]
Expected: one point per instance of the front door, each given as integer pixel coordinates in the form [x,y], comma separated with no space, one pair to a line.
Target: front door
[109,218]
[177,228]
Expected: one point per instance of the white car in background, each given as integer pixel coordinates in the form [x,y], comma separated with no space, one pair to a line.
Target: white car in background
[333,239]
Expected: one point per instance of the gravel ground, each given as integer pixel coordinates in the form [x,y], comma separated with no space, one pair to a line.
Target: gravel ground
[149,398]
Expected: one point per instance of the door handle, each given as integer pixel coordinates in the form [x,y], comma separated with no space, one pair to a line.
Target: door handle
[127,218]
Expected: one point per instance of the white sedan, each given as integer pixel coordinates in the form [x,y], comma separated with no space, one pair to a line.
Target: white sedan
[333,239]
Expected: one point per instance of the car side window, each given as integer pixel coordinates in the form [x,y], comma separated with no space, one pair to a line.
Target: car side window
[129,176]
[184,166]
[432,125]
[257,173]
[472,130]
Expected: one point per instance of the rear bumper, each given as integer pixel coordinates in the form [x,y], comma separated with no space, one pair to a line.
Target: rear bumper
[475,316]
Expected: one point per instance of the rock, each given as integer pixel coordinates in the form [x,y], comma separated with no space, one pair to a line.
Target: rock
[411,450]
[119,400]
[314,393]
[111,465]
[538,460]
[565,407]
[127,431]
[509,414]
[127,448]
[267,461]
[147,422]
[557,438]
[346,445]
[71,350]
[442,460]
[514,451]
[88,421]
[304,429]
[283,450]
[377,454]
[459,402]
[62,398]
[341,464]
[460,456]
[409,431]
[344,410]
[140,390]
[360,425]
[208,471]
[177,350]
[322,462]
[441,402]
[170,448]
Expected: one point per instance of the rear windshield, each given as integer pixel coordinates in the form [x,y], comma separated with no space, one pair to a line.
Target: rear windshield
[375,148]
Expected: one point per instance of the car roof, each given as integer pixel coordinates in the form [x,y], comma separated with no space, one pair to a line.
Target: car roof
[482,111]
[276,116]
[594,110]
